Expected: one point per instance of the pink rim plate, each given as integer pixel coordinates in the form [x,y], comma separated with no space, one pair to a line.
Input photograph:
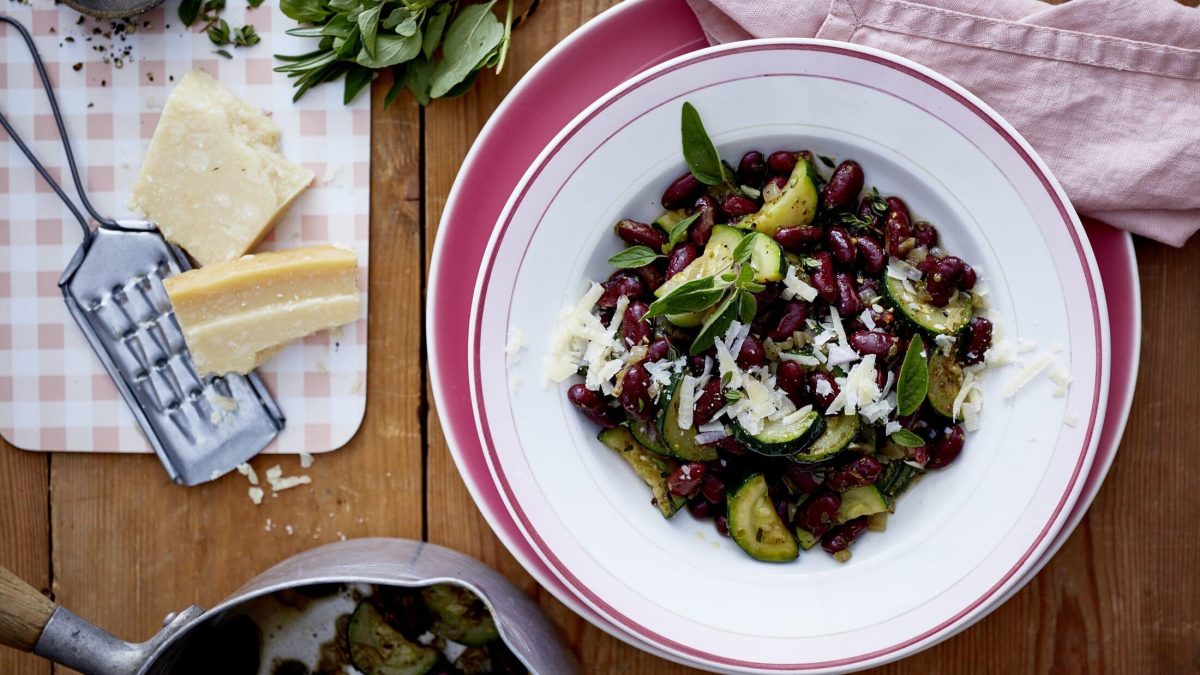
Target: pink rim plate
[651,31]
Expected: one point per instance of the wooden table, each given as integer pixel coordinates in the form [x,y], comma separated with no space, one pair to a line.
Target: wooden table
[111,538]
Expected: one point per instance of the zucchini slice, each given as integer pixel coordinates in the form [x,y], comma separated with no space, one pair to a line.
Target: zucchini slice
[916,307]
[896,478]
[681,442]
[945,381]
[840,431]
[716,258]
[766,257]
[777,438]
[668,219]
[378,649]
[797,205]
[652,468]
[755,526]
[806,539]
[861,501]
[645,432]
[459,615]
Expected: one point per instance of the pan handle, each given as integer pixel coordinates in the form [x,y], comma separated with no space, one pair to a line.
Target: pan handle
[23,612]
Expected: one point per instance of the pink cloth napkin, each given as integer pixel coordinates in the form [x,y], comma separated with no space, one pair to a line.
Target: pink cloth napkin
[1107,91]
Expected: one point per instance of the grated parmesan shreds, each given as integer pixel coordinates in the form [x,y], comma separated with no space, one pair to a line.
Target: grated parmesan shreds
[898,269]
[516,343]
[1025,346]
[858,388]
[687,401]
[794,287]
[836,320]
[866,319]
[576,327]
[1030,371]
[802,359]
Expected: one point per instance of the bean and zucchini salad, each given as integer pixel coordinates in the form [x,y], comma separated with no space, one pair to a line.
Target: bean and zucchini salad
[783,351]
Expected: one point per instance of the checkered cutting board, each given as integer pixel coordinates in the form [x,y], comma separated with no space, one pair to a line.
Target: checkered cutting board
[111,84]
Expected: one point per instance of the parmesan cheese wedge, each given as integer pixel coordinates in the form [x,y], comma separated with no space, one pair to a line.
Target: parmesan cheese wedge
[213,179]
[237,314]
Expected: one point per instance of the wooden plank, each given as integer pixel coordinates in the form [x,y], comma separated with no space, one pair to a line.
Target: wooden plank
[24,535]
[129,546]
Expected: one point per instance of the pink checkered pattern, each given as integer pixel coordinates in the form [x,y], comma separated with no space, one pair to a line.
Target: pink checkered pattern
[54,394]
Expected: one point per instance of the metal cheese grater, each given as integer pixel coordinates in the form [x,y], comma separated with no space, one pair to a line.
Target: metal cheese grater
[200,428]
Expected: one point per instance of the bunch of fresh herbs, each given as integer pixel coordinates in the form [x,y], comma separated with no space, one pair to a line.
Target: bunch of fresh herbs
[207,13]
[434,48]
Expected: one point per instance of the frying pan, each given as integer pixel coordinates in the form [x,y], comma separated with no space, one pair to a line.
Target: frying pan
[31,622]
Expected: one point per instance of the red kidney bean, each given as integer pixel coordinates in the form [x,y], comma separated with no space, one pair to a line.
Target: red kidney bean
[841,245]
[805,481]
[680,257]
[872,256]
[926,264]
[700,507]
[874,342]
[652,275]
[947,448]
[868,215]
[658,350]
[767,297]
[713,489]
[732,445]
[795,239]
[897,234]
[634,232]
[592,405]
[682,192]
[897,205]
[621,283]
[696,365]
[795,313]
[844,185]
[752,354]
[738,206]
[783,162]
[823,400]
[752,169]
[684,481]
[967,281]
[722,524]
[849,303]
[636,330]
[823,278]
[918,455]
[977,340]
[862,471]
[942,279]
[701,229]
[635,393]
[925,234]
[708,402]
[839,538]
[818,514]
[790,377]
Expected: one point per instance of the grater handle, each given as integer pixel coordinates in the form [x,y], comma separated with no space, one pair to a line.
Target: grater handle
[24,612]
[62,133]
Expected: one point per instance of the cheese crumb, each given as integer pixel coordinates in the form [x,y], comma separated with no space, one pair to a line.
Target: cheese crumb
[256,494]
[794,287]
[248,471]
[279,482]
[516,343]
[1070,420]
[1030,371]
[306,460]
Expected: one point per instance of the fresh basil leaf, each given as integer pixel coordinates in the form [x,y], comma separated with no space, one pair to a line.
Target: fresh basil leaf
[254,4]
[219,33]
[679,232]
[189,11]
[827,161]
[345,6]
[753,287]
[716,324]
[690,297]
[745,274]
[462,87]
[726,378]
[914,378]
[729,277]
[339,26]
[396,17]
[305,11]
[907,439]
[368,26]
[741,252]
[345,48]
[434,27]
[472,35]
[698,149]
[399,77]
[356,79]
[408,27]
[223,52]
[391,50]
[418,5]
[634,256]
[733,396]
[420,74]
[747,307]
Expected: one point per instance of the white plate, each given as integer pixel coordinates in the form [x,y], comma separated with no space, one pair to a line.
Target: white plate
[964,535]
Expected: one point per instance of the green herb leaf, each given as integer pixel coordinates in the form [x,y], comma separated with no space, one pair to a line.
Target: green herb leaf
[219,34]
[396,17]
[420,76]
[472,35]
[254,4]
[305,11]
[741,252]
[189,11]
[745,274]
[390,50]
[716,324]
[223,52]
[733,396]
[246,36]
[750,192]
[634,256]
[368,26]
[418,5]
[698,149]
[753,287]
[679,232]
[399,77]
[435,26]
[747,307]
[690,297]
[827,161]
[878,204]
[356,79]
[914,378]
[907,439]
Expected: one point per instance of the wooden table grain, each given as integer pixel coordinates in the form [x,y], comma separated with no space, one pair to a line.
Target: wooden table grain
[111,538]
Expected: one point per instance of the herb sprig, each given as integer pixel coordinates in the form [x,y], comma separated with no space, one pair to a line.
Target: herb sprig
[207,14]
[432,50]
